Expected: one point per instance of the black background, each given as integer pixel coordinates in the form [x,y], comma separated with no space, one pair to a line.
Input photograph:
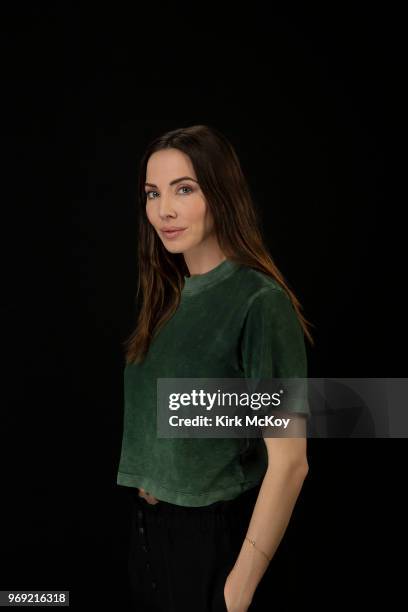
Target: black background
[310,100]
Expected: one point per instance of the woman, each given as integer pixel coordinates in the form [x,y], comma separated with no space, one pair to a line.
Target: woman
[209,513]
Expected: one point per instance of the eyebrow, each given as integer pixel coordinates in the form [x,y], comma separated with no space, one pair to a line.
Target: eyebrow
[183,178]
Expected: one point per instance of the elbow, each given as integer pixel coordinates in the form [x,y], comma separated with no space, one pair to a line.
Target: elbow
[297,469]
[304,469]
[300,468]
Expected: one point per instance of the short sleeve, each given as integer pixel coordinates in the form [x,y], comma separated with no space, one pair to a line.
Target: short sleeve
[272,344]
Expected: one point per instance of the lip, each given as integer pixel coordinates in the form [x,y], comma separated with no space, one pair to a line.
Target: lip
[173,233]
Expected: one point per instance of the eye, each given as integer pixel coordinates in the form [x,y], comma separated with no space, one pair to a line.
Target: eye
[183,187]
[148,193]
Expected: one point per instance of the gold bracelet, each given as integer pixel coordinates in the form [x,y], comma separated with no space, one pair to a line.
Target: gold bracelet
[258,549]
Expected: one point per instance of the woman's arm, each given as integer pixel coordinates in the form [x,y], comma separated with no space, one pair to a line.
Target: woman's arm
[281,485]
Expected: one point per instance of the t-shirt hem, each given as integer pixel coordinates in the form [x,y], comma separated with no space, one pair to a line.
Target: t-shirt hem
[184,498]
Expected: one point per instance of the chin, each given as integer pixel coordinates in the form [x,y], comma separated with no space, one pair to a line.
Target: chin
[174,248]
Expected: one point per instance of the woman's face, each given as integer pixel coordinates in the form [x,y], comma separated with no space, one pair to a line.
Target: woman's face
[180,204]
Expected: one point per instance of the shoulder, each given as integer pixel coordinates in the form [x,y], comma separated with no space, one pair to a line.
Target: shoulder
[261,289]
[268,306]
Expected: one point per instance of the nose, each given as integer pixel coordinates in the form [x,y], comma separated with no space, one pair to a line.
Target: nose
[166,208]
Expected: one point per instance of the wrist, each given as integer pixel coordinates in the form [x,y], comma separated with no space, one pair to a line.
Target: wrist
[241,594]
[248,571]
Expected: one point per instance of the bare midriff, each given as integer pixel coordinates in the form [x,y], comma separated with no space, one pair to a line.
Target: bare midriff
[147,496]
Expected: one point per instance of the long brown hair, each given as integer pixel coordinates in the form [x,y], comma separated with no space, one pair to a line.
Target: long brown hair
[161,274]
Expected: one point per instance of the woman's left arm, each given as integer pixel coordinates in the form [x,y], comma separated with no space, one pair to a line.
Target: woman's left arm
[281,485]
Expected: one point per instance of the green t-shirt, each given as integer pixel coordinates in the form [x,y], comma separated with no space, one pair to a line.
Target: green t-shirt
[232,322]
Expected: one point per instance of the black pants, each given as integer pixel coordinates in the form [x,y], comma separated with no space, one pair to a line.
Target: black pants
[180,557]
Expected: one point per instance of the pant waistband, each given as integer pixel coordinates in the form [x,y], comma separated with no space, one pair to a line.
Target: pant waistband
[245,499]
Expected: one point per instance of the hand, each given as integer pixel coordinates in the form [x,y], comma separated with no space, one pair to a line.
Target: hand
[146,495]
[234,600]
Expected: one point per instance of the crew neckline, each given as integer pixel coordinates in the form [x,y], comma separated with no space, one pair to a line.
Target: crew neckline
[198,282]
